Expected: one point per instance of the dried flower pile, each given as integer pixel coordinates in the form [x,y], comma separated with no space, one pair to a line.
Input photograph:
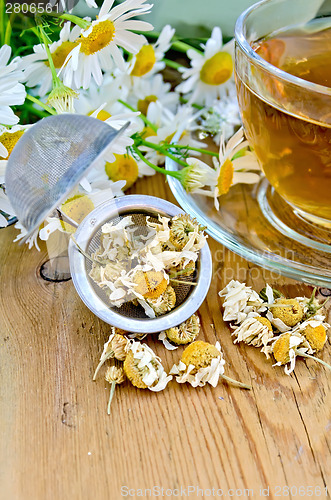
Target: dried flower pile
[139,264]
[136,362]
[282,327]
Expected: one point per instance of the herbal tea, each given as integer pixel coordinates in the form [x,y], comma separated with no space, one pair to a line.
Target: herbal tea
[295,153]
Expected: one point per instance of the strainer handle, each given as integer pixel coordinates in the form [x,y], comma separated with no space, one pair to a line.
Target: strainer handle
[67,219]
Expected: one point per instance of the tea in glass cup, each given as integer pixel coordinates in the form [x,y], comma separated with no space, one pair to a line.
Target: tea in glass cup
[283,78]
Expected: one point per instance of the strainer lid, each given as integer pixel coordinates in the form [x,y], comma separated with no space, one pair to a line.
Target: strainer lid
[85,286]
[48,162]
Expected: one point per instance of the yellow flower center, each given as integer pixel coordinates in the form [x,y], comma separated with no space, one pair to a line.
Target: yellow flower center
[123,168]
[225,177]
[217,69]
[77,208]
[150,284]
[281,349]
[102,115]
[148,132]
[59,55]
[9,141]
[145,60]
[101,36]
[144,103]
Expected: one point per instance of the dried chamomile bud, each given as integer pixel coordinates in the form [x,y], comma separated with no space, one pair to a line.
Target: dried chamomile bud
[202,362]
[256,331]
[115,347]
[289,311]
[114,375]
[184,230]
[164,303]
[288,346]
[239,301]
[144,369]
[186,332]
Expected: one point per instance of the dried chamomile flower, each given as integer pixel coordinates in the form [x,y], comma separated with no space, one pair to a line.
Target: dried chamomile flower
[289,311]
[144,369]
[164,303]
[256,331]
[185,232]
[316,336]
[150,284]
[114,375]
[184,268]
[116,347]
[202,362]
[311,306]
[240,301]
[288,346]
[185,333]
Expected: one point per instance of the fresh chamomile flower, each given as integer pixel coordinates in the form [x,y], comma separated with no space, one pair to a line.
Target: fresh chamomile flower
[115,347]
[114,376]
[11,91]
[256,331]
[62,99]
[128,168]
[32,241]
[98,44]
[236,165]
[36,70]
[149,58]
[202,363]
[184,333]
[240,302]
[153,89]
[169,126]
[221,119]
[8,140]
[5,207]
[211,73]
[144,369]
[77,207]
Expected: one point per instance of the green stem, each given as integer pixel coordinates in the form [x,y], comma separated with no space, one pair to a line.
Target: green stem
[56,79]
[163,151]
[236,383]
[183,47]
[190,148]
[34,111]
[82,23]
[142,116]
[177,175]
[9,29]
[112,391]
[42,104]
[172,64]
[2,23]
[304,355]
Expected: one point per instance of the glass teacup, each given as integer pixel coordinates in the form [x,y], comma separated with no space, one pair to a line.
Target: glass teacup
[287,119]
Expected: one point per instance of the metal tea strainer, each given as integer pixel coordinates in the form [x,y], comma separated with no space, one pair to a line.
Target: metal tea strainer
[48,162]
[131,317]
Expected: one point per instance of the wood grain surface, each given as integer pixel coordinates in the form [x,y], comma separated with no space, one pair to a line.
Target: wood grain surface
[57,441]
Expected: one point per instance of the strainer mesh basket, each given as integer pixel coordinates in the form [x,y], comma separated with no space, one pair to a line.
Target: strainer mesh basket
[49,161]
[128,309]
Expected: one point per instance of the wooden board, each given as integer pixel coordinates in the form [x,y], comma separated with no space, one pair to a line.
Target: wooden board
[57,441]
